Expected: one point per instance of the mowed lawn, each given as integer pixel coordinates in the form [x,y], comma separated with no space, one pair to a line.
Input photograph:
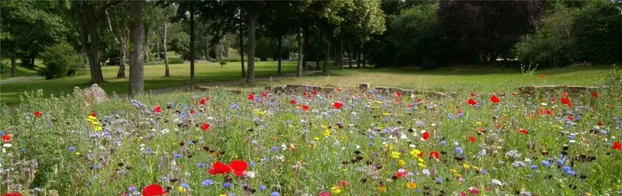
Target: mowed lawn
[205,72]
[448,81]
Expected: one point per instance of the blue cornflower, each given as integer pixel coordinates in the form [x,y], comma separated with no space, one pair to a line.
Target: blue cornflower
[570,172]
[206,182]
[227,185]
[560,162]
[177,155]
[201,165]
[274,148]
[438,180]
[72,149]
[566,168]
[262,187]
[534,167]
[459,150]
[545,163]
[275,194]
[185,186]
[235,106]
[443,142]
[132,189]
[252,164]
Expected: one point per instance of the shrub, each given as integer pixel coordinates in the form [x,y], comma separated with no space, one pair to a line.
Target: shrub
[597,33]
[61,60]
[222,62]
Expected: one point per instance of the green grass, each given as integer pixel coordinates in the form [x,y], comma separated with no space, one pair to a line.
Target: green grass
[439,80]
[20,70]
[154,78]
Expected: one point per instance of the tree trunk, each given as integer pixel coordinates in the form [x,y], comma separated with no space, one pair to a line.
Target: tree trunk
[358,57]
[241,51]
[159,52]
[166,67]
[305,37]
[251,47]
[325,68]
[96,70]
[364,55]
[13,66]
[350,56]
[339,52]
[122,52]
[192,38]
[280,45]
[137,53]
[300,50]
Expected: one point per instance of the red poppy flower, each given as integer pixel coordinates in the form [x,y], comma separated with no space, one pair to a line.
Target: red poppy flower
[251,97]
[191,112]
[6,138]
[368,95]
[472,94]
[565,94]
[12,194]
[566,101]
[542,76]
[471,101]
[398,94]
[338,89]
[38,114]
[157,109]
[617,146]
[494,99]
[304,94]
[513,93]
[314,91]
[401,173]
[202,101]
[471,138]
[337,105]
[293,102]
[425,135]
[410,105]
[305,108]
[434,155]
[330,97]
[570,118]
[523,131]
[239,167]
[549,111]
[595,94]
[600,124]
[93,114]
[153,190]
[219,168]
[264,94]
[343,183]
[205,127]
[419,100]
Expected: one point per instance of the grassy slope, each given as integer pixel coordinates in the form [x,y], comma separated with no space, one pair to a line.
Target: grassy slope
[21,71]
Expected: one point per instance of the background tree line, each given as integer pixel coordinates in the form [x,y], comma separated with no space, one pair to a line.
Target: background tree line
[67,35]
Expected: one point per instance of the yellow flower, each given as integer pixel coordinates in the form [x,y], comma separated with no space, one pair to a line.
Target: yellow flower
[77,153]
[259,112]
[327,132]
[382,188]
[452,170]
[411,185]
[181,189]
[421,160]
[92,119]
[422,165]
[386,114]
[415,153]
[316,138]
[466,166]
[98,128]
[401,163]
[222,195]
[336,190]
[395,154]
[388,146]
[479,123]
[378,102]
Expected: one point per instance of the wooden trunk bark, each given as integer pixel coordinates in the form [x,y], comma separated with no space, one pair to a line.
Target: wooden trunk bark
[325,68]
[280,44]
[166,67]
[241,48]
[192,38]
[93,52]
[122,52]
[137,50]
[13,66]
[350,56]
[251,47]
[300,50]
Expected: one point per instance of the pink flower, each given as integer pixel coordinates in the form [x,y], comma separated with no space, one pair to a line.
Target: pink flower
[324,194]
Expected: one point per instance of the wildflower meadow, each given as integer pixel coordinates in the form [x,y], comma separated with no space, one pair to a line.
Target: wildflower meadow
[346,142]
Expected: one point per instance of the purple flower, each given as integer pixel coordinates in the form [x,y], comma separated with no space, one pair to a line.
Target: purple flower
[132,189]
[274,148]
[275,194]
[443,142]
[201,165]
[206,182]
[177,155]
[534,167]
[227,185]
[185,186]
[72,149]
[262,187]
[438,180]
[459,150]
[545,163]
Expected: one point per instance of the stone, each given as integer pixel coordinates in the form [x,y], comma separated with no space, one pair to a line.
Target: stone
[93,95]
[364,86]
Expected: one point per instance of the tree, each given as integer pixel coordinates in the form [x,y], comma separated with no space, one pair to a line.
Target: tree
[118,24]
[161,17]
[137,51]
[28,27]
[482,26]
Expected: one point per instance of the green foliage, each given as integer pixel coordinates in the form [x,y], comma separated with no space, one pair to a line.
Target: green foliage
[551,45]
[263,48]
[597,33]
[61,61]
[175,61]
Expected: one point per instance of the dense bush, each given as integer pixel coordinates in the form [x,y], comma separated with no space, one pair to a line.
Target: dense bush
[597,33]
[551,45]
[61,60]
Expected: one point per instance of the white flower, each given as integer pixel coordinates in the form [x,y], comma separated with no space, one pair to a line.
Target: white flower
[250,174]
[164,131]
[7,145]
[544,104]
